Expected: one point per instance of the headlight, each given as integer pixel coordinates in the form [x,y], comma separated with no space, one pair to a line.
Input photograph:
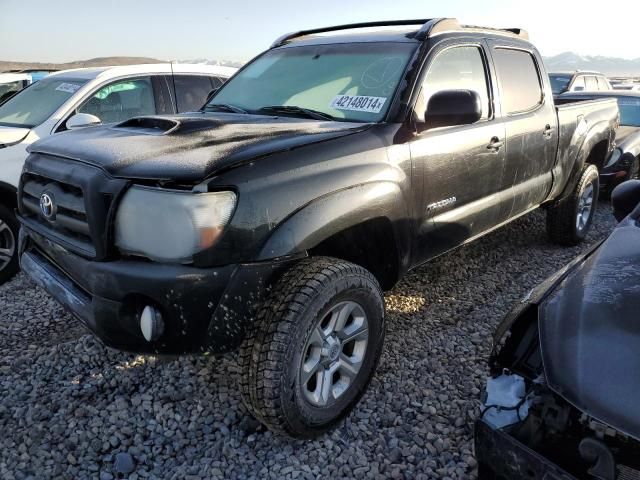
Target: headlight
[172,226]
[615,156]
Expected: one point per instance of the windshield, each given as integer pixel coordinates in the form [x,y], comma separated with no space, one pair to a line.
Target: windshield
[35,104]
[559,83]
[351,82]
[629,111]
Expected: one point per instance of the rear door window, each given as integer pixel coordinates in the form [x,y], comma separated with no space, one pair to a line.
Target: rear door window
[602,84]
[192,91]
[592,84]
[521,89]
[121,100]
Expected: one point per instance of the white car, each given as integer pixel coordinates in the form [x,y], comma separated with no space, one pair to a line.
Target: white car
[11,83]
[85,97]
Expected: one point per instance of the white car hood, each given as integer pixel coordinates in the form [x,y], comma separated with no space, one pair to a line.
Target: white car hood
[12,135]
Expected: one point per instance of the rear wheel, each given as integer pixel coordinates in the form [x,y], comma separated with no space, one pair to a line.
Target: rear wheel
[8,244]
[314,348]
[569,220]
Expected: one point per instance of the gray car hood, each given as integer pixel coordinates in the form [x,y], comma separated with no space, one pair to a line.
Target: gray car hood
[590,332]
[188,148]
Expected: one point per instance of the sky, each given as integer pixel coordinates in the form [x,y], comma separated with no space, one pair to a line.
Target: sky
[67,30]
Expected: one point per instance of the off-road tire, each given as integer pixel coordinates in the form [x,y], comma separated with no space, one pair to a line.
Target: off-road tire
[562,225]
[9,270]
[271,354]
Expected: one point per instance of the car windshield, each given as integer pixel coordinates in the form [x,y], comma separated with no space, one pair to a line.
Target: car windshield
[35,104]
[350,82]
[559,83]
[629,111]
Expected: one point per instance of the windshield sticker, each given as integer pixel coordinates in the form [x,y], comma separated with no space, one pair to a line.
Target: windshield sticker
[358,103]
[68,87]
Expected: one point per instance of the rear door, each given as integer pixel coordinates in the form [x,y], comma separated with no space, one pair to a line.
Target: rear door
[531,125]
[460,166]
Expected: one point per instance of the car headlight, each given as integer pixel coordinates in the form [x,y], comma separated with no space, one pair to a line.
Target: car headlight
[615,156]
[171,226]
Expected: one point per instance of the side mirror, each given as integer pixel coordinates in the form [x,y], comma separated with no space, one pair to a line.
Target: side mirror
[453,107]
[578,89]
[81,120]
[211,94]
[625,198]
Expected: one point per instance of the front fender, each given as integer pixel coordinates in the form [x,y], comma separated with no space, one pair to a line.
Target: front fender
[338,211]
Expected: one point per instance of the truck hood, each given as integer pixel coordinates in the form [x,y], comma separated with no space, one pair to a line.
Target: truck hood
[188,148]
[12,135]
[590,332]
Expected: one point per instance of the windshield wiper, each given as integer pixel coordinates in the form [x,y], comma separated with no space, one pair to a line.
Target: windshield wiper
[224,107]
[295,110]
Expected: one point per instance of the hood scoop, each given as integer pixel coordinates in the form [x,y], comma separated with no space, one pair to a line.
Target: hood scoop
[166,126]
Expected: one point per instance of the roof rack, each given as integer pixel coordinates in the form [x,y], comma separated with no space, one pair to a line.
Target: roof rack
[429,28]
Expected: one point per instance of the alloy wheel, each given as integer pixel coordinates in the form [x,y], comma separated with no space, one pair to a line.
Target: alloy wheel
[7,245]
[334,353]
[585,206]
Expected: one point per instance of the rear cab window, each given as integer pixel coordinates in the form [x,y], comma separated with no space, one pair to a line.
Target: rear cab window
[519,78]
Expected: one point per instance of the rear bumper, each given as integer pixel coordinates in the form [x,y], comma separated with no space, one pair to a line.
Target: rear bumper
[500,455]
[204,310]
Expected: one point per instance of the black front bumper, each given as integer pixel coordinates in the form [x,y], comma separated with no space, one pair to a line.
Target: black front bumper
[499,455]
[204,310]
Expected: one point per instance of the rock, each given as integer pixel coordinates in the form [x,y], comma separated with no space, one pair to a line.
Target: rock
[124,463]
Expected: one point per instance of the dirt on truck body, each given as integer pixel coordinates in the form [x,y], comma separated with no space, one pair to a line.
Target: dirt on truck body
[272,220]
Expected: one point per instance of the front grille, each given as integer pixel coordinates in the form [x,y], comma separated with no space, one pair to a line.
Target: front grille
[70,217]
[83,199]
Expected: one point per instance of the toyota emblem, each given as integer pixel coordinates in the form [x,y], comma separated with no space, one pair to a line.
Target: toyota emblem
[47,206]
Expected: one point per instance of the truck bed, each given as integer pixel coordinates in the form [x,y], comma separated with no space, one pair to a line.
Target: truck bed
[577,121]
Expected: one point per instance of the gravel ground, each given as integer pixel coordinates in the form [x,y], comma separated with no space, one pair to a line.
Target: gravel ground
[70,408]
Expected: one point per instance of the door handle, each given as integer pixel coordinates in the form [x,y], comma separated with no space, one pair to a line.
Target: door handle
[495,144]
[548,131]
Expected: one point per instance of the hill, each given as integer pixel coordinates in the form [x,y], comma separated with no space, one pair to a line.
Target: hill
[611,66]
[93,62]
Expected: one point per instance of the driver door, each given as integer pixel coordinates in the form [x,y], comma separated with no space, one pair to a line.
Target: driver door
[461,167]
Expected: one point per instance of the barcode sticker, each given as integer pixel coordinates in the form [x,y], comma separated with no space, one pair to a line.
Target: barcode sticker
[358,103]
[68,87]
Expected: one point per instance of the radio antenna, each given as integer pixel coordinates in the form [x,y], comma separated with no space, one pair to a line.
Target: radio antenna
[173,81]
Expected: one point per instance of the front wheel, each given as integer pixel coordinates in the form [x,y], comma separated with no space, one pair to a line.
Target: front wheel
[8,244]
[314,348]
[569,220]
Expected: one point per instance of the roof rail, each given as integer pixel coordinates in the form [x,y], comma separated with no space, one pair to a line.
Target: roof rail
[429,27]
[391,23]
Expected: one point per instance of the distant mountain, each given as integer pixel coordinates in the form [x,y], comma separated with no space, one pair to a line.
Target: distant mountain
[221,63]
[615,67]
[93,62]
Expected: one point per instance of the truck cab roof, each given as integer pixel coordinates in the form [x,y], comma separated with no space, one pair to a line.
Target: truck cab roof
[391,31]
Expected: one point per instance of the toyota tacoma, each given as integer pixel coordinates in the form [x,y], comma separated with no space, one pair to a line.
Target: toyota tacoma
[271,221]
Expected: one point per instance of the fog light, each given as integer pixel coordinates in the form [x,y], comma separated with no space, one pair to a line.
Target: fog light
[151,323]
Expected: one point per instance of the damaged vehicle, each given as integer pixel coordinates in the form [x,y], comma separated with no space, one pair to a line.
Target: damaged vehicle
[562,401]
[271,221]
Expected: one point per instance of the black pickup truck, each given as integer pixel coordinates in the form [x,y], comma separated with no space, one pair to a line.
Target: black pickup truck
[272,220]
